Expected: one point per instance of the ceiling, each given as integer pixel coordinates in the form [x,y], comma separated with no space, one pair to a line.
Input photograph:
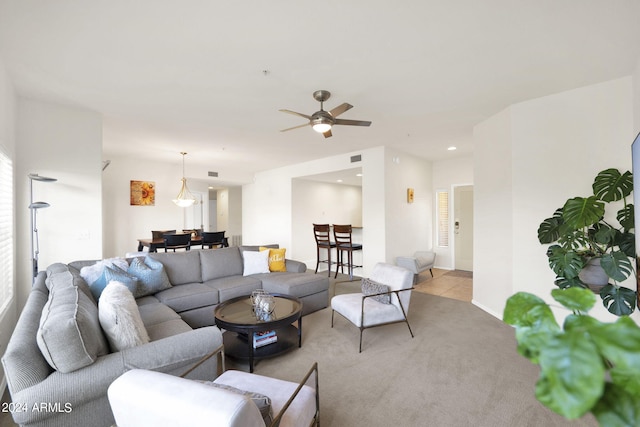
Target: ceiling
[209,77]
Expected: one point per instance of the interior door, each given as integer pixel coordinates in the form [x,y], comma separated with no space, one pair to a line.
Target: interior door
[463,227]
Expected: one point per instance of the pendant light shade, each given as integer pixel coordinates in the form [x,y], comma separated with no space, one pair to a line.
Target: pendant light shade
[185,198]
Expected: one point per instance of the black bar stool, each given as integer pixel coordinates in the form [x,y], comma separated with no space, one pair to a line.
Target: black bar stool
[342,236]
[322,235]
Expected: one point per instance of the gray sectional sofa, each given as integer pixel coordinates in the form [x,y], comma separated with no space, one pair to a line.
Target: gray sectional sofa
[64,382]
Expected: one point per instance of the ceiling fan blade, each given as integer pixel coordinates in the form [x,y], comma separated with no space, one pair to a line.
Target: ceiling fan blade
[352,122]
[296,114]
[340,109]
[327,134]
[295,127]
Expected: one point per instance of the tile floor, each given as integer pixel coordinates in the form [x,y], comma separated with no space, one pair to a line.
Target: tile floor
[455,284]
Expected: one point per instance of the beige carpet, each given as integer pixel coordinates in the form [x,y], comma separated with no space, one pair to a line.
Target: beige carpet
[461,369]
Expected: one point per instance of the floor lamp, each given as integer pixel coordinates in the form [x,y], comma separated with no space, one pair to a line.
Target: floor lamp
[33,207]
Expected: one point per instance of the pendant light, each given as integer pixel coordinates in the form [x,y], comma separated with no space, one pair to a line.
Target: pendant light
[185,198]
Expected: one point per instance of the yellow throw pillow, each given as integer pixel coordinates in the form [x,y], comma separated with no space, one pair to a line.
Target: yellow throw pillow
[276,259]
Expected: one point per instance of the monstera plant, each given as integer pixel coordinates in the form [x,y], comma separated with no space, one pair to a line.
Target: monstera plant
[581,237]
[585,365]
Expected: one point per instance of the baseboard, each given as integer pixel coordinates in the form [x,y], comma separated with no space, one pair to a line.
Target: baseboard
[483,308]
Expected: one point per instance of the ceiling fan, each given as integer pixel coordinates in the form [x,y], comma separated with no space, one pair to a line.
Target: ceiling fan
[322,120]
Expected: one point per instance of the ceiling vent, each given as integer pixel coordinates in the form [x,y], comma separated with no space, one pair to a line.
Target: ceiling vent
[357,158]
[213,174]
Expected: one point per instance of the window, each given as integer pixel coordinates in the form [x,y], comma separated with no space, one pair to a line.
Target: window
[6,231]
[442,217]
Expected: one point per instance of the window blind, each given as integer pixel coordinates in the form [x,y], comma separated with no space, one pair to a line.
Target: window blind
[6,231]
[443,218]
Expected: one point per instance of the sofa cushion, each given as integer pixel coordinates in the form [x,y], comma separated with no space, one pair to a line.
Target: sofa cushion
[60,275]
[219,263]
[235,286]
[161,322]
[120,318]
[181,267]
[296,284]
[188,296]
[151,276]
[255,262]
[70,336]
[111,274]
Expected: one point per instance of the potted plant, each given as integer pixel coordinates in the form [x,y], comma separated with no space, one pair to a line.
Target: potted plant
[585,366]
[582,241]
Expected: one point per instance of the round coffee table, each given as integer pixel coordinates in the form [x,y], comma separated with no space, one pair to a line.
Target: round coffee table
[237,318]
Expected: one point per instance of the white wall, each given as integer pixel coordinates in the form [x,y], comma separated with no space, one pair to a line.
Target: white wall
[493,216]
[7,146]
[124,224]
[321,203]
[448,174]
[64,143]
[550,149]
[391,227]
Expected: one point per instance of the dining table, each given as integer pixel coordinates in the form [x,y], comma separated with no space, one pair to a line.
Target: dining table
[154,244]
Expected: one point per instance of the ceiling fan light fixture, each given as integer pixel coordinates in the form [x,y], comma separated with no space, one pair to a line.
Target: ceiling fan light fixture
[321,127]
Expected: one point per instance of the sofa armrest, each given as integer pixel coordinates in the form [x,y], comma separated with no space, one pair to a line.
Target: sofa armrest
[172,355]
[295,266]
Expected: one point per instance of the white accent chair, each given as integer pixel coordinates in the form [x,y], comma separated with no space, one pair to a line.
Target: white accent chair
[143,398]
[365,312]
[420,261]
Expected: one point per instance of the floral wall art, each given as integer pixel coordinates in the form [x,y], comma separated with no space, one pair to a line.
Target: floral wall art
[143,193]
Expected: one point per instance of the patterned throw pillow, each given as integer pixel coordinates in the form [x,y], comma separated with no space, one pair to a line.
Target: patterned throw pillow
[151,276]
[109,274]
[262,402]
[276,258]
[370,287]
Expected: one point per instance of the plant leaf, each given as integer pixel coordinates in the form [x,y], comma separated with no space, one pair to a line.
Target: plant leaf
[625,217]
[534,321]
[549,229]
[572,374]
[564,283]
[610,185]
[618,300]
[575,298]
[616,407]
[565,263]
[619,343]
[582,212]
[617,265]
[627,243]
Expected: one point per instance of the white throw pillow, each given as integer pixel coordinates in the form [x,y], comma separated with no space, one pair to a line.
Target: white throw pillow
[91,273]
[120,318]
[255,262]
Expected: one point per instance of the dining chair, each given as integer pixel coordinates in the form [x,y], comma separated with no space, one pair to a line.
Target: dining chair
[159,234]
[322,234]
[177,241]
[344,243]
[214,238]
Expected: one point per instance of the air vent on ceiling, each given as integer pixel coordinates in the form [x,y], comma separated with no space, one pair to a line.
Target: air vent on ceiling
[213,174]
[357,158]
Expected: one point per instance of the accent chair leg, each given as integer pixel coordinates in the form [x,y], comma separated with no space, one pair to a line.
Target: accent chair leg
[360,349]
[431,271]
[332,313]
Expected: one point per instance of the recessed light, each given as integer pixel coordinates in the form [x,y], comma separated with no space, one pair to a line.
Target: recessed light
[339,180]
[359,174]
[452,148]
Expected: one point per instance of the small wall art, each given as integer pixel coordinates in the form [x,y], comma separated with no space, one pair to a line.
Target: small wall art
[409,195]
[143,193]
